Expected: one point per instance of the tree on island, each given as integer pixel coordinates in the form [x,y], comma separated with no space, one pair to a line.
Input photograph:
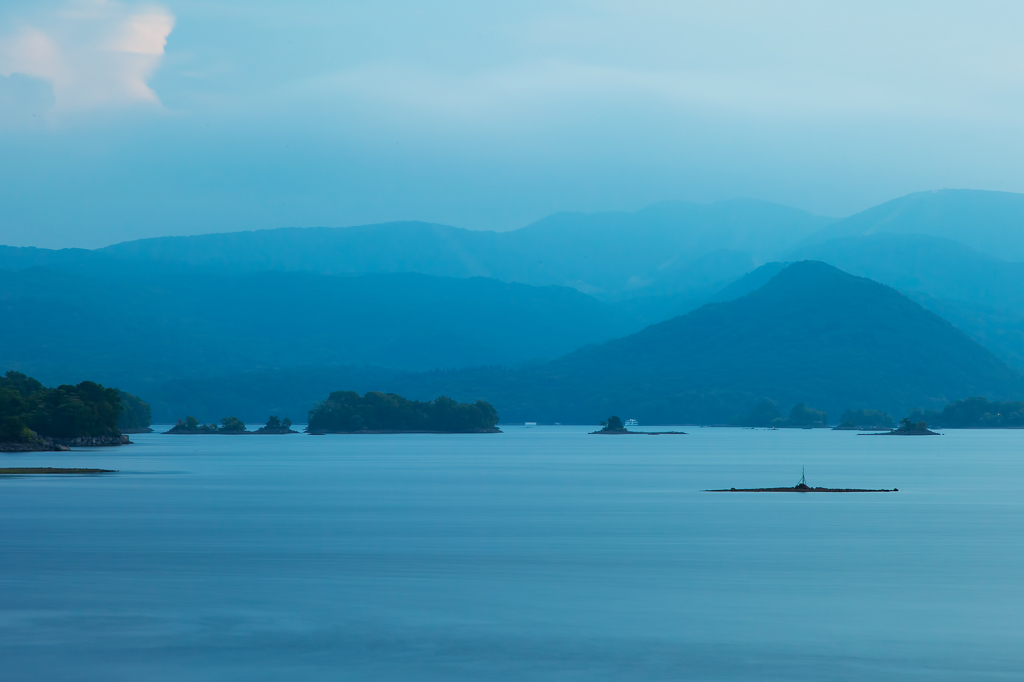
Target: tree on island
[275,425]
[85,409]
[909,428]
[613,423]
[232,425]
[13,430]
[191,425]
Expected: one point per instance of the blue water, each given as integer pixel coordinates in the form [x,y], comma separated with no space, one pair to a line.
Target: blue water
[538,554]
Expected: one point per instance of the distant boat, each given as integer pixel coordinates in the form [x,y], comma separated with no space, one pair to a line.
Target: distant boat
[530,424]
[631,422]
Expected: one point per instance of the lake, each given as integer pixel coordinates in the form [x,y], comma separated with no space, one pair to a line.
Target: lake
[541,553]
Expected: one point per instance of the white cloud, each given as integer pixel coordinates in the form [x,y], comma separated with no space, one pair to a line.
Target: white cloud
[94,53]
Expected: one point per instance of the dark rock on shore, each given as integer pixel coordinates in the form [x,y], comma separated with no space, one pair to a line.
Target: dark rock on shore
[36,446]
[53,470]
[91,441]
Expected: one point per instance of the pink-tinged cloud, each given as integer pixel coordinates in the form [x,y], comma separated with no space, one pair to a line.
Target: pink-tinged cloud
[95,54]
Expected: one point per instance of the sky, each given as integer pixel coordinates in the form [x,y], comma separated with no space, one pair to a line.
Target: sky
[124,120]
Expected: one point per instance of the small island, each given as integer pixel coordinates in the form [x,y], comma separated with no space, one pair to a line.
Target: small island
[908,428]
[276,426]
[375,412]
[613,427]
[231,426]
[802,487]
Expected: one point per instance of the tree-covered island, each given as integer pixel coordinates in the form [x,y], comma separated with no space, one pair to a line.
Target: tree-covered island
[34,417]
[613,426]
[909,428]
[376,412]
[190,426]
[275,426]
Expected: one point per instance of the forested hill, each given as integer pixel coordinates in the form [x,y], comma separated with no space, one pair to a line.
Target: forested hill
[812,334]
[137,332]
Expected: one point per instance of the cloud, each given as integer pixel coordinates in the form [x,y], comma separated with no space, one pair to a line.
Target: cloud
[94,53]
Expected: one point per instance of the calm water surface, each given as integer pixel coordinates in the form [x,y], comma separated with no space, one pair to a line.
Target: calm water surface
[538,554]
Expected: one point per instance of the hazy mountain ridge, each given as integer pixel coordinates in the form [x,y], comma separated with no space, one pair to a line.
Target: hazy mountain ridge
[990,222]
[980,294]
[145,329]
[669,248]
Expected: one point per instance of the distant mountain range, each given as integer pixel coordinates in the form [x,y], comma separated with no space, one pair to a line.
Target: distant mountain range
[148,328]
[990,222]
[391,300]
[669,248]
[812,334]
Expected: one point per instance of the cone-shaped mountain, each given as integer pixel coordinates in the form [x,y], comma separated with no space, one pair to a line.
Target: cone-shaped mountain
[812,334]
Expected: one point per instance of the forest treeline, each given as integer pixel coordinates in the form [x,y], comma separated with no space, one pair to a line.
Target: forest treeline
[29,410]
[348,412]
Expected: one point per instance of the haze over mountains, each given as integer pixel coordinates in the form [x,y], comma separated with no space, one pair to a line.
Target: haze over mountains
[152,327]
[373,303]
[990,222]
[811,334]
[668,248]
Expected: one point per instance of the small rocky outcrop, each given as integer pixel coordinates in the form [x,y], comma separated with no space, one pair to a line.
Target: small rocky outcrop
[909,428]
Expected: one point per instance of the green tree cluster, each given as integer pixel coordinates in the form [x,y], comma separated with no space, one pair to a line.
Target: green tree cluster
[28,409]
[613,423]
[191,425]
[135,413]
[347,412]
[275,425]
[908,427]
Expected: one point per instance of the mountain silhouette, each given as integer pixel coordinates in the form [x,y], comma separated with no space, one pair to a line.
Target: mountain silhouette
[813,334]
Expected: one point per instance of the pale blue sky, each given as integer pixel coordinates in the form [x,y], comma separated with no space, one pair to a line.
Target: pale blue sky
[263,114]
